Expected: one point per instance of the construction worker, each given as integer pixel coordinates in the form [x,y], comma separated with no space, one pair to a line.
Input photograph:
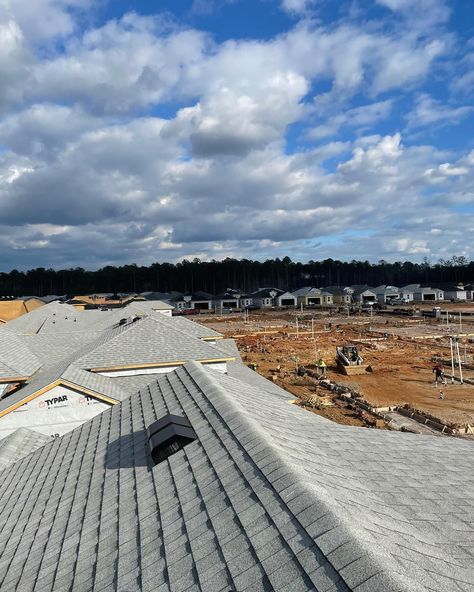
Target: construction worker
[439,374]
[322,368]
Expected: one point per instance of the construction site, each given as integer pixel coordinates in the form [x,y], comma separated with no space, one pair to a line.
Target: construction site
[411,369]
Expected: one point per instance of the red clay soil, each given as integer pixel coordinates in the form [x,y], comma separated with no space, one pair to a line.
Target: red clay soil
[402,368]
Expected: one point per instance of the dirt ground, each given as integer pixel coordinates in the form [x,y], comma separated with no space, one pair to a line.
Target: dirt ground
[398,349]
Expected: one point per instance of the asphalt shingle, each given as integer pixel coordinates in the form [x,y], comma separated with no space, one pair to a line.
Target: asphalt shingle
[150,341]
[269,497]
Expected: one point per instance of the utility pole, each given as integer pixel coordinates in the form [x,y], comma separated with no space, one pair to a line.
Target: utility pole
[452,359]
[459,362]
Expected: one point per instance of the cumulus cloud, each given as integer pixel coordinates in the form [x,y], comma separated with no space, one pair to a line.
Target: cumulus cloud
[44,129]
[15,63]
[124,65]
[139,137]
[136,62]
[45,19]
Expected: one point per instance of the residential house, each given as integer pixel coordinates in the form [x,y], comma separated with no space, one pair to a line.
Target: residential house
[163,296]
[313,297]
[340,296]
[424,293]
[362,294]
[407,294]
[235,299]
[268,297]
[387,294]
[13,308]
[56,375]
[148,307]
[469,287]
[194,300]
[108,300]
[454,291]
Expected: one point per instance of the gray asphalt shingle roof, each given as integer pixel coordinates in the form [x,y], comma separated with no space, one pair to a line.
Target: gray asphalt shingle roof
[148,306]
[280,501]
[237,369]
[15,356]
[190,327]
[34,321]
[149,341]
[55,349]
[19,444]
[67,366]
[102,385]
[51,348]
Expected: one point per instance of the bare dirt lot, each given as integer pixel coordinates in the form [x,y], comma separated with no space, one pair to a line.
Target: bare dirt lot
[398,349]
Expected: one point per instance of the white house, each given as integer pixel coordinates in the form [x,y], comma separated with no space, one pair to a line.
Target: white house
[424,293]
[268,297]
[453,291]
[231,298]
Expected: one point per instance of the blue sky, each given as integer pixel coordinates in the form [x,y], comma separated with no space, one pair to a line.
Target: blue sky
[141,131]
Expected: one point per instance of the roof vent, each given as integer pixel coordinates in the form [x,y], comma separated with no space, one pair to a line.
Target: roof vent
[168,435]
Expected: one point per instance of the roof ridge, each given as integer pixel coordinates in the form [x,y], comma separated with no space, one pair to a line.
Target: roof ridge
[388,579]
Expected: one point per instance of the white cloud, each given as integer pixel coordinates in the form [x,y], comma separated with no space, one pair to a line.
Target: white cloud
[298,7]
[358,117]
[89,175]
[408,246]
[44,19]
[122,66]
[405,63]
[463,81]
[429,111]
[15,63]
[425,13]
[45,128]
[232,122]
[137,62]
